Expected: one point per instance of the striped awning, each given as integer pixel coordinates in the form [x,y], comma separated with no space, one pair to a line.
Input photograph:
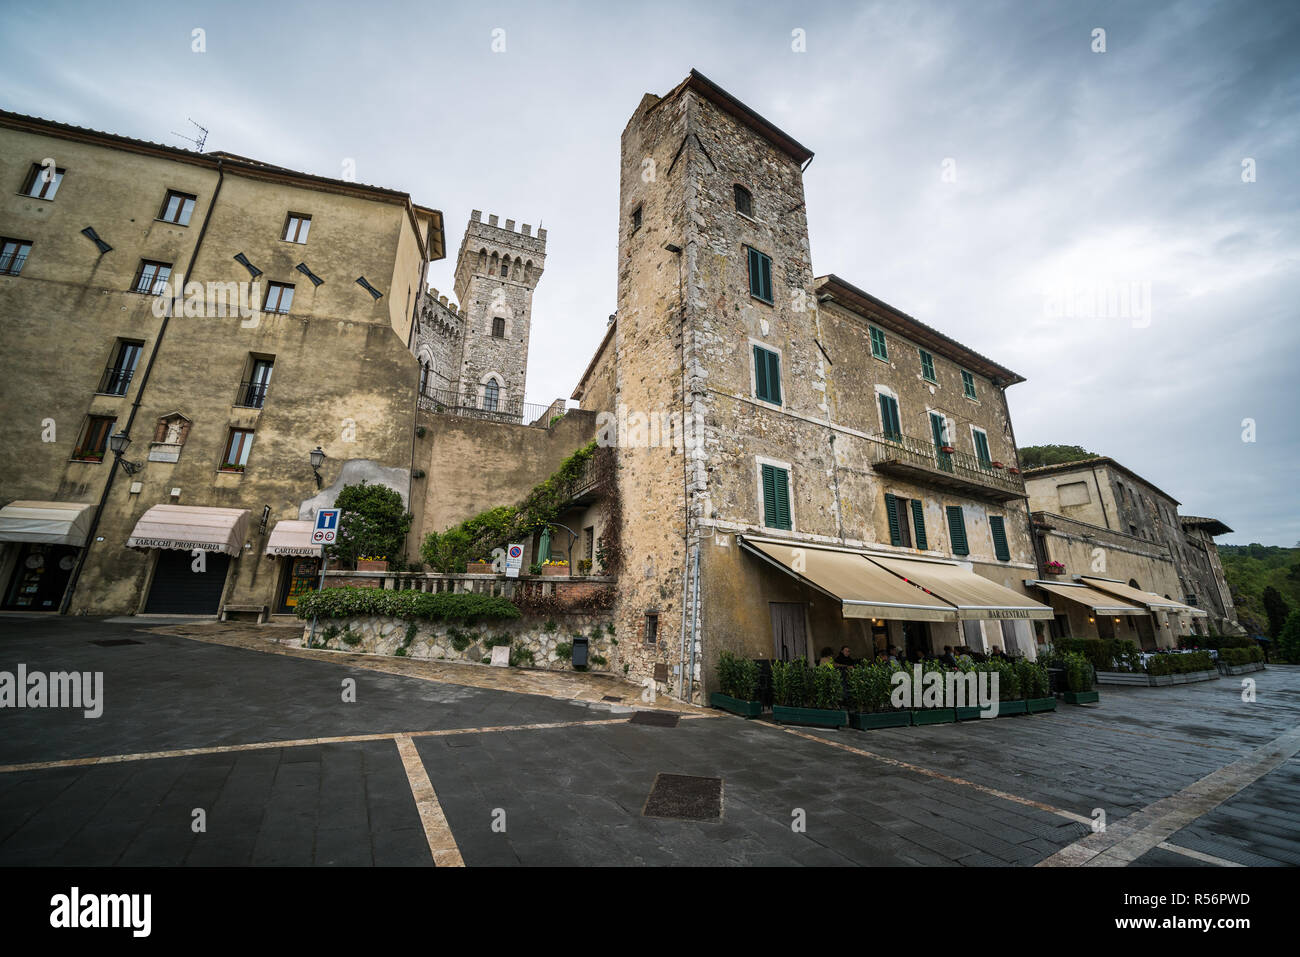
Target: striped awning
[54,523]
[190,527]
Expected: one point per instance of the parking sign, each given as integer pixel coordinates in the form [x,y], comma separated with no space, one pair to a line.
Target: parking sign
[327,527]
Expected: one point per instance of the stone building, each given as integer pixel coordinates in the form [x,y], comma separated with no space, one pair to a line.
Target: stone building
[1107,525]
[292,333]
[795,457]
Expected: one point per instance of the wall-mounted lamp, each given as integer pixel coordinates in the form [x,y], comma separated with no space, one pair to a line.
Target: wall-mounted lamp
[317,456]
[119,442]
[266,517]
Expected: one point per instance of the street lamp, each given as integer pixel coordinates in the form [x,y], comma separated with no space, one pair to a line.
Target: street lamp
[317,457]
[118,442]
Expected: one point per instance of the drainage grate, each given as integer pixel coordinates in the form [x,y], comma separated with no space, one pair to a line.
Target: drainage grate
[114,642]
[659,719]
[685,797]
[611,697]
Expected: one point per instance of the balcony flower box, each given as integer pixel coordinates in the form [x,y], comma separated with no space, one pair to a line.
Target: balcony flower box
[815,717]
[921,716]
[866,720]
[997,465]
[372,564]
[1039,705]
[1082,697]
[1013,470]
[746,709]
[479,568]
[1007,709]
[1054,568]
[947,449]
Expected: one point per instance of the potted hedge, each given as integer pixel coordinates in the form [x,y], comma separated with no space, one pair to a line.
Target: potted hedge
[971,710]
[1078,679]
[869,688]
[924,715]
[1011,698]
[811,696]
[1035,686]
[738,679]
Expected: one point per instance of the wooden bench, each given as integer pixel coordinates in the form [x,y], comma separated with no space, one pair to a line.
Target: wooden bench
[260,611]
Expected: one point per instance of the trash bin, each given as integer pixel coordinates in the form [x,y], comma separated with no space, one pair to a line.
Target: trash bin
[580,651]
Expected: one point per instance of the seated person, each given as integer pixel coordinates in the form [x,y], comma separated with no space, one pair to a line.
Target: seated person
[844,658]
[826,656]
[947,658]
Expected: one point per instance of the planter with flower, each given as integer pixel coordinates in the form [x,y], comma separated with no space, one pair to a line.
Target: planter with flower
[480,567]
[372,563]
[584,567]
[555,568]
[947,449]
[231,467]
[1054,568]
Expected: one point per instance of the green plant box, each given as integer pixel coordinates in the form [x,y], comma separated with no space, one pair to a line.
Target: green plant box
[816,717]
[1009,708]
[1082,697]
[967,714]
[746,709]
[866,720]
[1038,705]
[934,716]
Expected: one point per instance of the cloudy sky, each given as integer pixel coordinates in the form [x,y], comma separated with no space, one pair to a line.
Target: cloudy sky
[980,166]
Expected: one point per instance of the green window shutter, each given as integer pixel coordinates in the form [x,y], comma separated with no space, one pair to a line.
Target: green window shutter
[889,416]
[982,448]
[927,365]
[769,496]
[891,509]
[767,375]
[767,279]
[999,531]
[776,497]
[783,498]
[760,275]
[957,530]
[918,524]
[968,384]
[774,377]
[878,347]
[754,272]
[760,374]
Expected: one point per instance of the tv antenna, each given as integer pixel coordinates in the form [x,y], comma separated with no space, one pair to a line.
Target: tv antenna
[199,140]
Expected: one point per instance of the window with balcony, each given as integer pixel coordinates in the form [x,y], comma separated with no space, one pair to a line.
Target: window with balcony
[94,439]
[13,255]
[151,277]
[767,375]
[967,384]
[117,377]
[760,276]
[981,440]
[42,181]
[296,227]
[891,425]
[279,297]
[238,445]
[252,391]
[879,348]
[177,208]
[927,366]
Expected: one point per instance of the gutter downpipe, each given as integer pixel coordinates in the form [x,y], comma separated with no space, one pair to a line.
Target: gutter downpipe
[139,394]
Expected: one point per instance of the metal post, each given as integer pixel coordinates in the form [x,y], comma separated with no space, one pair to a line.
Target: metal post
[324,563]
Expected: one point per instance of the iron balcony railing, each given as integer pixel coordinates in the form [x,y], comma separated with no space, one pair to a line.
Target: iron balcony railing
[251,395]
[921,458]
[449,402]
[115,381]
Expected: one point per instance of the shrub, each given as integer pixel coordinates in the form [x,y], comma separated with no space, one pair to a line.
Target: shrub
[869,686]
[1216,642]
[1105,654]
[520,657]
[1008,679]
[599,660]
[1033,678]
[1179,663]
[564,651]
[460,640]
[373,521]
[378,602]
[1078,671]
[1288,642]
[1241,656]
[790,683]
[737,677]
[827,687]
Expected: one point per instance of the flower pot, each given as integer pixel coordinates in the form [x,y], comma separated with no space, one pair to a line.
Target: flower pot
[1008,709]
[997,465]
[816,717]
[746,709]
[1082,697]
[934,716]
[1038,705]
[866,720]
[479,568]
[365,565]
[555,571]
[947,449]
[1013,470]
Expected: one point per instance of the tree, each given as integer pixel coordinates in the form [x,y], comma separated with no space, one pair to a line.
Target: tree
[1288,644]
[1276,608]
[373,523]
[1032,456]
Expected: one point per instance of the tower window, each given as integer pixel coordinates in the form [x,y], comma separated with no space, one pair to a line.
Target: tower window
[491,395]
[636,219]
[505,268]
[744,201]
[499,326]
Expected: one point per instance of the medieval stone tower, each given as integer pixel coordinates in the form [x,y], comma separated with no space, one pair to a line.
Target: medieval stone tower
[496,272]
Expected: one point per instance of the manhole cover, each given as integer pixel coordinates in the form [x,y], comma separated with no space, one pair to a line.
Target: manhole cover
[685,797]
[114,642]
[660,719]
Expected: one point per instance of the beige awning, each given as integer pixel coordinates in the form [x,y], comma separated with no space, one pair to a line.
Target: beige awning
[974,597]
[1095,601]
[292,538]
[55,523]
[190,527]
[863,589]
[1137,596]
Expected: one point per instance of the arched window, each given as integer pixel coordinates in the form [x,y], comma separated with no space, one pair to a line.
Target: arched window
[491,394]
[505,267]
[424,379]
[482,260]
[744,202]
[499,326]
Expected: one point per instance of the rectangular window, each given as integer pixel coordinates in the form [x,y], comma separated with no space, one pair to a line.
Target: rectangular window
[94,439]
[889,419]
[878,347]
[636,219]
[957,530]
[939,432]
[760,276]
[968,384]
[499,327]
[176,208]
[42,182]
[982,447]
[151,277]
[252,392]
[652,628]
[776,497]
[767,375]
[238,446]
[999,530]
[900,532]
[296,227]
[13,254]
[279,297]
[918,523]
[118,375]
[927,366]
